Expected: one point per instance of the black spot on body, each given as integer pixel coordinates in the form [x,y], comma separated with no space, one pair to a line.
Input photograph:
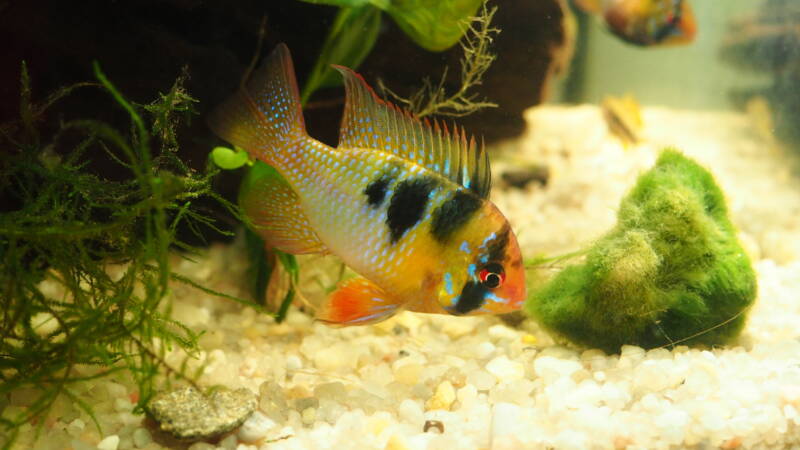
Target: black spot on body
[408,205]
[453,214]
[471,298]
[376,189]
[497,247]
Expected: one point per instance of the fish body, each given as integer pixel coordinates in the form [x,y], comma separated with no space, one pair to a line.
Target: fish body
[400,201]
[646,22]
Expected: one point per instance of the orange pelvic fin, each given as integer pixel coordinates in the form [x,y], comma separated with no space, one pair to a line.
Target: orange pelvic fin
[275,212]
[264,116]
[358,302]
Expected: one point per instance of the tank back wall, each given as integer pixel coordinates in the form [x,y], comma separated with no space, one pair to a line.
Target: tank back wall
[688,76]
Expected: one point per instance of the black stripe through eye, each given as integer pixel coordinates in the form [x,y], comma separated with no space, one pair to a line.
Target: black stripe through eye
[497,247]
[494,268]
[471,298]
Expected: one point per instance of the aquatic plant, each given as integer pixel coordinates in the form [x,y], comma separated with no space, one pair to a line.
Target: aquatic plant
[84,257]
[434,25]
[350,39]
[671,271]
[433,98]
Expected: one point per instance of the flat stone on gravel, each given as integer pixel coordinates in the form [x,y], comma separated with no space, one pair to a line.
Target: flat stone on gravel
[188,414]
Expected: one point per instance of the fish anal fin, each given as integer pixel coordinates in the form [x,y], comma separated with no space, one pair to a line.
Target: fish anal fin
[372,123]
[357,301]
[276,213]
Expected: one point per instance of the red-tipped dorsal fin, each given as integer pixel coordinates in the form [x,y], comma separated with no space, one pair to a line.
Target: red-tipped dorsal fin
[372,123]
[357,301]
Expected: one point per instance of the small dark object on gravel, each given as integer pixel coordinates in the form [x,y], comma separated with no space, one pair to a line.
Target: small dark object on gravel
[433,424]
[519,178]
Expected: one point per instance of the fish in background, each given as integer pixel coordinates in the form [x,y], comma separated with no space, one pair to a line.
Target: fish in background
[646,22]
[402,202]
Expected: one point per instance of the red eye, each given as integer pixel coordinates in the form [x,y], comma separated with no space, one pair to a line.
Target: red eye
[492,276]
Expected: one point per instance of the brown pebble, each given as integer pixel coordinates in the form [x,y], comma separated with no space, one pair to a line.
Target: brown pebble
[734,443]
[433,424]
[622,442]
[514,319]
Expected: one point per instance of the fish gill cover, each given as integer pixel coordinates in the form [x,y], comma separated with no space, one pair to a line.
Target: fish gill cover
[671,271]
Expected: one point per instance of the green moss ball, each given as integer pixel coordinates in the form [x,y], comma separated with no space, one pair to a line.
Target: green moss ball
[671,271]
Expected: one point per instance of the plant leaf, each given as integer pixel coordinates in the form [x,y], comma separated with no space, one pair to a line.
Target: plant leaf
[228,159]
[260,267]
[349,41]
[382,4]
[289,263]
[434,25]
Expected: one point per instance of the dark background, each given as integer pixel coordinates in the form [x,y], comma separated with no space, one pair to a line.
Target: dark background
[143,45]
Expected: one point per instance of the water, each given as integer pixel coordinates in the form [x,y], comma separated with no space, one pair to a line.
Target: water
[625,353]
[689,76]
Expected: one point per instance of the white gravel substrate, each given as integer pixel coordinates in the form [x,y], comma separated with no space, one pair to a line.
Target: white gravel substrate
[493,386]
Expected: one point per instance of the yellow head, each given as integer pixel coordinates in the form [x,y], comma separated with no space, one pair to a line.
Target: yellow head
[482,270]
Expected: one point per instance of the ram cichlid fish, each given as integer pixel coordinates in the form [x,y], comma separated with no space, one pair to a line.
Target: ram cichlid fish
[401,201]
[646,22]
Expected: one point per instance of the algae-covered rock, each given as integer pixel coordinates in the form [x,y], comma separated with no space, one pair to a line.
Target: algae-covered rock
[671,271]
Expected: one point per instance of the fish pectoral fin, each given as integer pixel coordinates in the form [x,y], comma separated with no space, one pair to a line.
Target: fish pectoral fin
[358,301]
[275,212]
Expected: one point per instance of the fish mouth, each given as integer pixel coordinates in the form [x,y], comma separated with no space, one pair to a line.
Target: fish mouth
[516,296]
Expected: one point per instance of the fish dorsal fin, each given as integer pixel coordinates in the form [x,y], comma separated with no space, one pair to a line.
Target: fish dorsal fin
[370,122]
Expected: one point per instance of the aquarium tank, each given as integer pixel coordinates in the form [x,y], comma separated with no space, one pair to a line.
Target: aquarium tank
[399,224]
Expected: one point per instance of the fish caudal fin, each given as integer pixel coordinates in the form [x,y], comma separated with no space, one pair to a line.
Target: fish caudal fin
[264,116]
[275,212]
[357,302]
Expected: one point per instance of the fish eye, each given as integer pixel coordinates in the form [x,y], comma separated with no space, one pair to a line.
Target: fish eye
[492,275]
